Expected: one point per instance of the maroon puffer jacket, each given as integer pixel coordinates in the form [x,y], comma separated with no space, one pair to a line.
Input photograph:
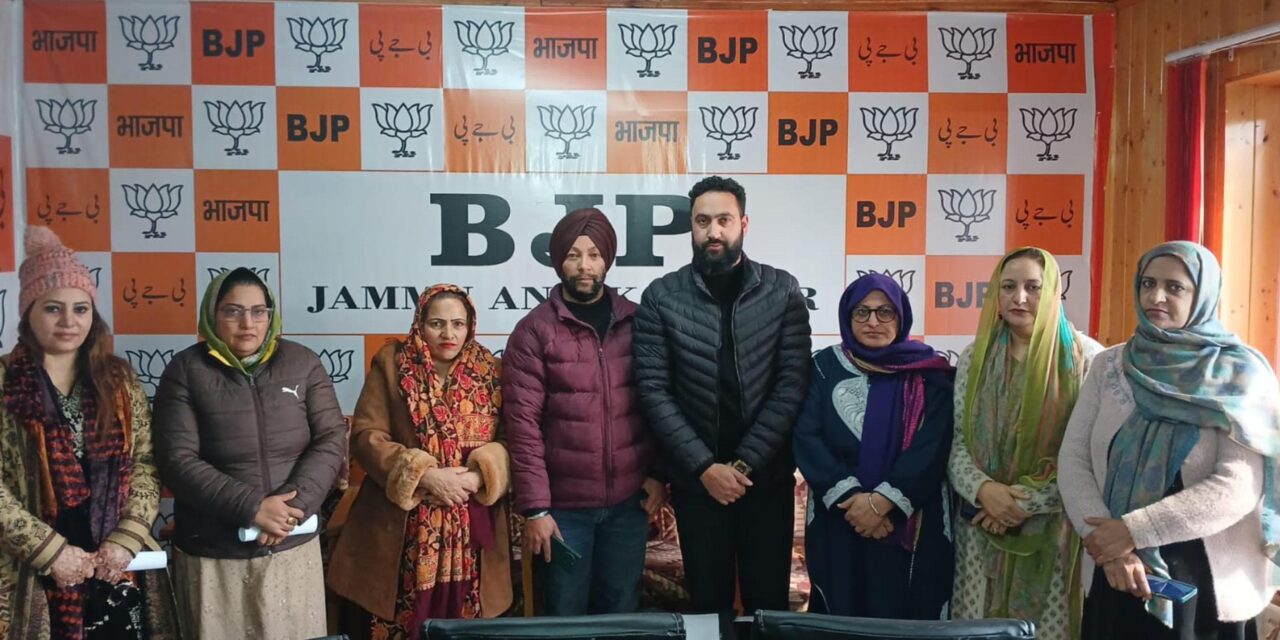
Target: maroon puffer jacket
[574,427]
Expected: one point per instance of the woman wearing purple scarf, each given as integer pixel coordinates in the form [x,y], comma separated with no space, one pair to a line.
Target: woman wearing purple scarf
[872,441]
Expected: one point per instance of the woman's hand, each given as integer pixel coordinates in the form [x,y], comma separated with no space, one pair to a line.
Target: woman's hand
[999,501]
[275,518]
[1109,541]
[447,485]
[72,566]
[1128,574]
[472,481]
[863,519]
[989,523]
[110,562]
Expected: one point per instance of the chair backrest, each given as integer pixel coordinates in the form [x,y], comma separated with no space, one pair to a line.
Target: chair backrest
[629,626]
[787,625]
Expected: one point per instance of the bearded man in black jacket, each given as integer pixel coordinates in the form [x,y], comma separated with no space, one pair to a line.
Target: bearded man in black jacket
[721,352]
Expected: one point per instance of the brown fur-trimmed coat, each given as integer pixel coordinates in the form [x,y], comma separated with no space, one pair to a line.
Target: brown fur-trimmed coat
[366,562]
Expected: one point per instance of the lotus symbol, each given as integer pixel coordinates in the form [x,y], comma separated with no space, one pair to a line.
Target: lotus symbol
[728,125]
[404,122]
[67,118]
[567,124]
[235,119]
[261,272]
[891,125]
[809,44]
[150,366]
[968,45]
[1066,282]
[318,37]
[154,203]
[1048,126]
[485,39]
[967,207]
[648,42]
[149,35]
[906,278]
[337,363]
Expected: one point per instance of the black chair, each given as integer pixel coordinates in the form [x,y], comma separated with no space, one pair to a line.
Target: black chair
[628,626]
[787,625]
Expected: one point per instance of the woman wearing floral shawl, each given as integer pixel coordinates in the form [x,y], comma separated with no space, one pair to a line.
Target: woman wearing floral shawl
[1016,555]
[427,534]
[1169,464]
[872,441]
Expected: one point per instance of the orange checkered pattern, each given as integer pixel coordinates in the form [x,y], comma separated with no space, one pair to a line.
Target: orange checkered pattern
[354,153]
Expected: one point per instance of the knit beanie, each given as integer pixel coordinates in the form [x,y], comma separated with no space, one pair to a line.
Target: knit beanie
[590,222]
[50,265]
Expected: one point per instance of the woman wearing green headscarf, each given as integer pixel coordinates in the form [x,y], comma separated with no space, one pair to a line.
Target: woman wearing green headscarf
[248,433]
[1016,555]
[1168,465]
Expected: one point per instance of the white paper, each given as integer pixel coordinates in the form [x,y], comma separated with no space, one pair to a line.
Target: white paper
[249,534]
[148,560]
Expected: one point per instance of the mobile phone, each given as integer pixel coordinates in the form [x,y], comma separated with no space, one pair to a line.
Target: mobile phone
[968,511]
[562,553]
[1169,589]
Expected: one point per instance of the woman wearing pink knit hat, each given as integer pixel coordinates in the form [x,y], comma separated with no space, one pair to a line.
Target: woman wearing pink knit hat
[78,488]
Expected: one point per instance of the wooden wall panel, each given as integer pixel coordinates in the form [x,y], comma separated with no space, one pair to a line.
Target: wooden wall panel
[1239,192]
[1265,224]
[1147,30]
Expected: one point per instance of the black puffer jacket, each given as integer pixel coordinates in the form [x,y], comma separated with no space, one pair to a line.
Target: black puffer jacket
[675,344]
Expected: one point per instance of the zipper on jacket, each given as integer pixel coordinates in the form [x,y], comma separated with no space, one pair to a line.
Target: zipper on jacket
[608,411]
[608,427]
[262,434]
[737,366]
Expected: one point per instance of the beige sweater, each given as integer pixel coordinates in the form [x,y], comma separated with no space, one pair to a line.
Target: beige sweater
[1220,502]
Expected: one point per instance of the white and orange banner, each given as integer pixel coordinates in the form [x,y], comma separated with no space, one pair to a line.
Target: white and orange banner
[356,153]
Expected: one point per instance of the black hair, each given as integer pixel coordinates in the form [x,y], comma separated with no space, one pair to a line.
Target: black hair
[241,277]
[717,183]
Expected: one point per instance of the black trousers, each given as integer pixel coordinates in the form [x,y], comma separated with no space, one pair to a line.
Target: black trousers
[750,539]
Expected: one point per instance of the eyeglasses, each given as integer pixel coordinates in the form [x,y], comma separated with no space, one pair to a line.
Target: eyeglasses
[236,313]
[883,314]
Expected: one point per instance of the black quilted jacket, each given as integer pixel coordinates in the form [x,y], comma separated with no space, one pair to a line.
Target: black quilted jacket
[675,343]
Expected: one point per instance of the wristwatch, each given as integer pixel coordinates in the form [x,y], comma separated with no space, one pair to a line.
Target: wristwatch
[741,467]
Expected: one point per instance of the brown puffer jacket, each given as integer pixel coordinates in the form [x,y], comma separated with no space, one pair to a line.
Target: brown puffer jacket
[224,442]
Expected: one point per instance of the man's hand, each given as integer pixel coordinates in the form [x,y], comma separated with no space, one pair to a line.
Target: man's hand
[537,535]
[724,483]
[656,496]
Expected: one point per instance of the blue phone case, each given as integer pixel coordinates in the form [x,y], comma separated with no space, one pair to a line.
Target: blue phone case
[1175,590]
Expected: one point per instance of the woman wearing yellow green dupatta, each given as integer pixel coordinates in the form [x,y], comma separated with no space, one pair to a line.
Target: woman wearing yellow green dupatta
[248,433]
[1016,554]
